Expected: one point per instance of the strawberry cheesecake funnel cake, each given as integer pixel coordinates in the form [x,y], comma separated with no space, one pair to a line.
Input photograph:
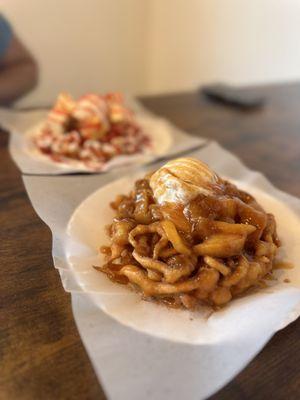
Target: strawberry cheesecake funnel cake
[92,130]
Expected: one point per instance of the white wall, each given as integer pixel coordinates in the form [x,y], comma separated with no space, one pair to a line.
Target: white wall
[151,46]
[240,41]
[82,45]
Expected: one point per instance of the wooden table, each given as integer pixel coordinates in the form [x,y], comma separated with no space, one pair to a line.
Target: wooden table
[41,354]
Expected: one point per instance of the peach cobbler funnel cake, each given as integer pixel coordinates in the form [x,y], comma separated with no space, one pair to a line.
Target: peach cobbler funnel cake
[186,237]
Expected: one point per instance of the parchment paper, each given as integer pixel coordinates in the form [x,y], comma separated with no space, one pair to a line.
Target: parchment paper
[136,365]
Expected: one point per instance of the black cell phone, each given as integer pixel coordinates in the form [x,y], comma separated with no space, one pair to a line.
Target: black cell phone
[233,96]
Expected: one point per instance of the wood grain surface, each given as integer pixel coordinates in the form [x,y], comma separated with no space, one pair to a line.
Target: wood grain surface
[41,354]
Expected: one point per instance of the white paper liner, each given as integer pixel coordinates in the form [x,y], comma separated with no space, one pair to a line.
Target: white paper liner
[229,338]
[165,137]
[86,232]
[135,366]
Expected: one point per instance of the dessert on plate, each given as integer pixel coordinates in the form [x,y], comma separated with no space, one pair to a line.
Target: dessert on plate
[186,237]
[92,130]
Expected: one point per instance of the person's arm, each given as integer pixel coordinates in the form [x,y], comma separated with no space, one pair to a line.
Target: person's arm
[18,72]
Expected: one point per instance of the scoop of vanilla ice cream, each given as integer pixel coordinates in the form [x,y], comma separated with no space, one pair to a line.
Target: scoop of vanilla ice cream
[181,180]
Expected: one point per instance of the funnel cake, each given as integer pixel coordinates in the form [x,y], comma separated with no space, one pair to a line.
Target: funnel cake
[185,237]
[92,130]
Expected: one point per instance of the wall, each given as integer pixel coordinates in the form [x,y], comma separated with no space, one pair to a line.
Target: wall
[241,41]
[152,46]
[82,45]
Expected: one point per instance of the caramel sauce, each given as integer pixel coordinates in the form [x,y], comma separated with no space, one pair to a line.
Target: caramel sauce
[283,265]
[229,219]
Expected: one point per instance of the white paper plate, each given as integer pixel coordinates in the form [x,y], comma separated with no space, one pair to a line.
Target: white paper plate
[157,129]
[272,307]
